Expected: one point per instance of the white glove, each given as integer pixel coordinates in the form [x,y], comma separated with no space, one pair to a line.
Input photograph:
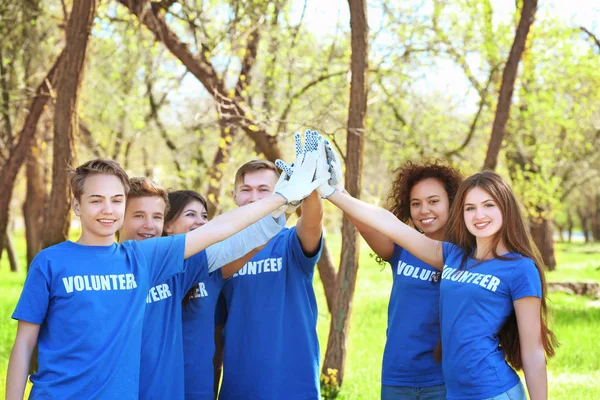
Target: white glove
[286,208]
[335,167]
[303,180]
[325,190]
[310,144]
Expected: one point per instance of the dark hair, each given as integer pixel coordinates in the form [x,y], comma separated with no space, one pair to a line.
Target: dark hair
[179,199]
[98,166]
[516,237]
[409,175]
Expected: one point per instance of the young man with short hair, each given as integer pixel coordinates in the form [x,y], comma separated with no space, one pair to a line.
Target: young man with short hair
[162,368]
[271,345]
[83,302]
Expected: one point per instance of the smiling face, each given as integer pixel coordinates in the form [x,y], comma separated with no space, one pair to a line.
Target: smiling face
[429,206]
[100,207]
[483,217]
[144,218]
[255,186]
[193,216]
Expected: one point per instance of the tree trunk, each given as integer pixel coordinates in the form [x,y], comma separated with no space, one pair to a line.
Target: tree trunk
[328,276]
[561,229]
[19,152]
[10,251]
[541,231]
[508,84]
[35,200]
[570,225]
[66,125]
[584,219]
[335,356]
[595,207]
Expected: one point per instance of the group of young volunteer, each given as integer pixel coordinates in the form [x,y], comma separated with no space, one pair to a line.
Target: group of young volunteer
[153,300]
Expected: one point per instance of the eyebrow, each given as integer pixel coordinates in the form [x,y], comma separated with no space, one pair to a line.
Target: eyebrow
[102,197]
[485,201]
[428,197]
[189,209]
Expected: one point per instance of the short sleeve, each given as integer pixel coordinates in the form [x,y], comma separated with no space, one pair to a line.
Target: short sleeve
[306,264]
[35,297]
[525,280]
[196,269]
[449,248]
[221,311]
[164,257]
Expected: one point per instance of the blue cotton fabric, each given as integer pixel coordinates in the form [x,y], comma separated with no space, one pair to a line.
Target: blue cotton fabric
[475,302]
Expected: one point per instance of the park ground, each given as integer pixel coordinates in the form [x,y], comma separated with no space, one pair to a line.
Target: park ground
[573,374]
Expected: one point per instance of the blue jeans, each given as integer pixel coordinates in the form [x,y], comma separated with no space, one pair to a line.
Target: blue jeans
[413,393]
[517,392]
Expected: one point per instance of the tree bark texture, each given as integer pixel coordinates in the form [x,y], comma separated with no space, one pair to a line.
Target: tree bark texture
[19,152]
[541,231]
[35,201]
[509,77]
[335,355]
[66,125]
[8,245]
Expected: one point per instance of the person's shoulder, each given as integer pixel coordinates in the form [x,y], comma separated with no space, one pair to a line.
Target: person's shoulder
[520,261]
[57,250]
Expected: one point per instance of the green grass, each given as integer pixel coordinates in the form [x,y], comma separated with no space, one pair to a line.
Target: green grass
[573,374]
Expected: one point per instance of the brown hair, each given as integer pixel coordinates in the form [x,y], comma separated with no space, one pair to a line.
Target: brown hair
[516,238]
[144,187]
[77,176]
[253,166]
[179,199]
[409,175]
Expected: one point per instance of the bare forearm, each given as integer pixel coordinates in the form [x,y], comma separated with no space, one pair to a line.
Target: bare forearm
[309,226]
[534,366]
[18,370]
[385,222]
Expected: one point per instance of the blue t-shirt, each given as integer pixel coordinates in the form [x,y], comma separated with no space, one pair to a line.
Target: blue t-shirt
[161,370]
[199,338]
[89,302]
[413,324]
[475,302]
[271,345]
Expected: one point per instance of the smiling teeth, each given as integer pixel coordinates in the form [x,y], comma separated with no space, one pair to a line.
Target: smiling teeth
[428,220]
[146,235]
[106,221]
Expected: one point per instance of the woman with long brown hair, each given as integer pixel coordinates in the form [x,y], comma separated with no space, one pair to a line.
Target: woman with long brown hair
[492,296]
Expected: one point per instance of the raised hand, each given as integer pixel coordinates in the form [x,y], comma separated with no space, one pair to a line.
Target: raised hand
[335,167]
[310,144]
[325,190]
[303,180]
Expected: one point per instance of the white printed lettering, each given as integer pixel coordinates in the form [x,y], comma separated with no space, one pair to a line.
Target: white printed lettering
[68,282]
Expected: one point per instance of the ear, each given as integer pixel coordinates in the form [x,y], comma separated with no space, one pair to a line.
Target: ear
[168,229]
[76,207]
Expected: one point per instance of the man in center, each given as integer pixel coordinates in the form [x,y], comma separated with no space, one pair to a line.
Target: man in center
[271,345]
